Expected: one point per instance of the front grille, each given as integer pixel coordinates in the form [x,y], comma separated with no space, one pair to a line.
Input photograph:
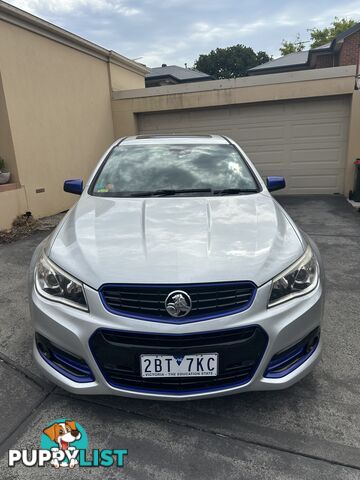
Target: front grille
[118,357]
[68,364]
[288,360]
[209,300]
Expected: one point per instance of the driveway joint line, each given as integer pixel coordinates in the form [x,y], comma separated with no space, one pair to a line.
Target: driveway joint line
[213,432]
[12,436]
[333,235]
[22,371]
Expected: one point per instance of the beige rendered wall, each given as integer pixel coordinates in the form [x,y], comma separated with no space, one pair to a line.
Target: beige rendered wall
[123,79]
[6,144]
[353,142]
[58,103]
[12,204]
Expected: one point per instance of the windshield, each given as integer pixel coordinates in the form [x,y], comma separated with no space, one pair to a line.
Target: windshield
[136,170]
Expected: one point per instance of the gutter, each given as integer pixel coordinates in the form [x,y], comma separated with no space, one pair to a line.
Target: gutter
[178,80]
[283,69]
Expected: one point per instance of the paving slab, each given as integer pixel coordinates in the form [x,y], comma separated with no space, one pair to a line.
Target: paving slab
[15,327]
[322,214]
[164,451]
[19,396]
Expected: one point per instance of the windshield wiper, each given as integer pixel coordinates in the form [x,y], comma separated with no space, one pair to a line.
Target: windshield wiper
[169,191]
[235,191]
[164,192]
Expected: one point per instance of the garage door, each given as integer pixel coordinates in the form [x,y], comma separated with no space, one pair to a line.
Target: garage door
[303,140]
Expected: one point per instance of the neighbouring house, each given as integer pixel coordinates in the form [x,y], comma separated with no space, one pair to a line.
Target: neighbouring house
[173,74]
[343,50]
[55,110]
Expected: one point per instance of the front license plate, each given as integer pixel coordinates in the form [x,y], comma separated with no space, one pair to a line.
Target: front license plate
[198,365]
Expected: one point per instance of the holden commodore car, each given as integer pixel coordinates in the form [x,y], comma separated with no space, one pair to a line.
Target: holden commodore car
[176,275]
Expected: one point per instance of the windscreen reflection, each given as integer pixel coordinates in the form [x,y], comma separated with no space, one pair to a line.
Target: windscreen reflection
[144,168]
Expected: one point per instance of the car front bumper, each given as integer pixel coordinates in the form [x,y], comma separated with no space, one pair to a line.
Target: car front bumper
[70,330]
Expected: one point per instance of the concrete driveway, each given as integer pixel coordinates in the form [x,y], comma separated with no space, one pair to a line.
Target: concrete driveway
[309,431]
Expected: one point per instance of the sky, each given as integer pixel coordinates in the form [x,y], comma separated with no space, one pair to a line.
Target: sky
[176,32]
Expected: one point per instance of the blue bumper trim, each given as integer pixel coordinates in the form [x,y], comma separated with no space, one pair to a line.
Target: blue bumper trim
[289,360]
[64,363]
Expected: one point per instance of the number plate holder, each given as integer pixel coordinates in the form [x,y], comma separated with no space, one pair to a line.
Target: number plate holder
[193,365]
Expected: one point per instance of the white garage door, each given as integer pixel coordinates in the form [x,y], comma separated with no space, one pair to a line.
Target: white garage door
[303,140]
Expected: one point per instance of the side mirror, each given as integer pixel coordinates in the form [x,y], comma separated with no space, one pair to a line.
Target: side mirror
[275,183]
[73,186]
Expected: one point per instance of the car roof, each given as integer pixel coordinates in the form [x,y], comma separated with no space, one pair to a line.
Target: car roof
[174,139]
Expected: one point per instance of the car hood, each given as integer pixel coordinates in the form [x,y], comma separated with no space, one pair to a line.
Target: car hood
[175,240]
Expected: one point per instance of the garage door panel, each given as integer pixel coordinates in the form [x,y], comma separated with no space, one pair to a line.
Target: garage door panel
[301,181]
[321,180]
[263,132]
[268,159]
[317,107]
[256,112]
[317,131]
[199,117]
[327,155]
[304,140]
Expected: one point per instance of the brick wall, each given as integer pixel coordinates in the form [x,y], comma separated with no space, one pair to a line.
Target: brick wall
[350,50]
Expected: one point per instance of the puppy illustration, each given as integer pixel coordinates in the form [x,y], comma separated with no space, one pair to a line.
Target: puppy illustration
[63,433]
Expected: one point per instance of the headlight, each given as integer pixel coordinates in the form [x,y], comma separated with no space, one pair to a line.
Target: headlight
[299,279]
[54,284]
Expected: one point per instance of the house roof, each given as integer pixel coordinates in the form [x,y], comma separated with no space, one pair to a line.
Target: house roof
[293,59]
[178,73]
[299,60]
[347,32]
[322,47]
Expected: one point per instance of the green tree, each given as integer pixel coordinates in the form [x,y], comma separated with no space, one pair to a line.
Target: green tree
[318,36]
[230,62]
[321,36]
[292,47]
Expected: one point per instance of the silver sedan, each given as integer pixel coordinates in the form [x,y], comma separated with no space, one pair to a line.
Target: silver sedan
[176,275]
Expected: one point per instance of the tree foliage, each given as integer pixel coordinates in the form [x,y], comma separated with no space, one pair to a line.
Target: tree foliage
[318,36]
[230,62]
[292,47]
[321,36]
